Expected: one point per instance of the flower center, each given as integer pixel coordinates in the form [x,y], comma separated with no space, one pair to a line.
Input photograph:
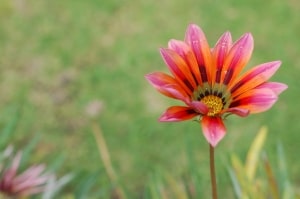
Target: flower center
[214,104]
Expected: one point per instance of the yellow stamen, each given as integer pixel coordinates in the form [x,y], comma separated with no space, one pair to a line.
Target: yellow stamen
[214,104]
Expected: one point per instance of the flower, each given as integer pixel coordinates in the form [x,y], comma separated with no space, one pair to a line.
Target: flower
[210,83]
[30,182]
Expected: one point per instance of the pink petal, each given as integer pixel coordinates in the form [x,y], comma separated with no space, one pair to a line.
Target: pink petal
[237,111]
[180,47]
[10,173]
[199,107]
[196,39]
[276,87]
[256,100]
[30,183]
[30,174]
[158,79]
[162,82]
[213,129]
[219,53]
[255,77]
[174,90]
[177,113]
[237,58]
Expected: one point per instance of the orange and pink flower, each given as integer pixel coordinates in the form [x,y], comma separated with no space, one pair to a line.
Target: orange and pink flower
[210,83]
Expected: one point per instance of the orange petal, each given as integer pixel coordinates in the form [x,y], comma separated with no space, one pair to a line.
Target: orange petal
[237,58]
[177,113]
[213,129]
[188,55]
[179,69]
[196,39]
[219,54]
[254,77]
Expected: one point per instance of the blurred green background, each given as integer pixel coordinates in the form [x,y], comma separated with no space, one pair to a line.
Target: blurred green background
[60,61]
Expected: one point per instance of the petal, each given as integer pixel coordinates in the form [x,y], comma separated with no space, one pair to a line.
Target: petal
[256,100]
[187,54]
[31,174]
[163,82]
[11,172]
[237,58]
[219,54]
[255,77]
[30,178]
[158,79]
[177,113]
[276,87]
[199,107]
[237,111]
[174,90]
[213,129]
[179,69]
[196,39]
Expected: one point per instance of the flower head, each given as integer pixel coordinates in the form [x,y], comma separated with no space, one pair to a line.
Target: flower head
[30,182]
[210,83]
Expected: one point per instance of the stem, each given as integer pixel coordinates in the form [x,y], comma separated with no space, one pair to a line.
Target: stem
[212,172]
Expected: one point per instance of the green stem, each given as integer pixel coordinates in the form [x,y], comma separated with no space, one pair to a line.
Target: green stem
[212,172]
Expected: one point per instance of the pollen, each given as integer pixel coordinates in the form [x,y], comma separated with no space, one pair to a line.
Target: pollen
[214,104]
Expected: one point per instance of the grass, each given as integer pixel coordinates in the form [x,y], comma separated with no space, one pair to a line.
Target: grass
[56,57]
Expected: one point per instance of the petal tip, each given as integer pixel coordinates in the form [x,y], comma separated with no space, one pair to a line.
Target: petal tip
[147,76]
[213,129]
[281,88]
[248,35]
[246,40]
[279,62]
[227,35]
[226,38]
[162,119]
[194,31]
[150,77]
[193,26]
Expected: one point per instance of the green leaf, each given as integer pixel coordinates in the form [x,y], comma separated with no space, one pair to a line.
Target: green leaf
[235,182]
[85,186]
[254,153]
[9,128]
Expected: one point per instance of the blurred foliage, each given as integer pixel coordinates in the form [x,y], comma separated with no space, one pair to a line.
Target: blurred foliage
[248,183]
[256,179]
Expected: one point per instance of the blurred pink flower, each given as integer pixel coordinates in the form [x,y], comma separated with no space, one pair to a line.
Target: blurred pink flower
[210,83]
[29,182]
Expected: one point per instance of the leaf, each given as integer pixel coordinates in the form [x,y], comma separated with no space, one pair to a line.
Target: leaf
[271,178]
[85,186]
[285,185]
[240,176]
[156,188]
[27,151]
[9,128]
[254,153]
[105,156]
[177,187]
[235,182]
